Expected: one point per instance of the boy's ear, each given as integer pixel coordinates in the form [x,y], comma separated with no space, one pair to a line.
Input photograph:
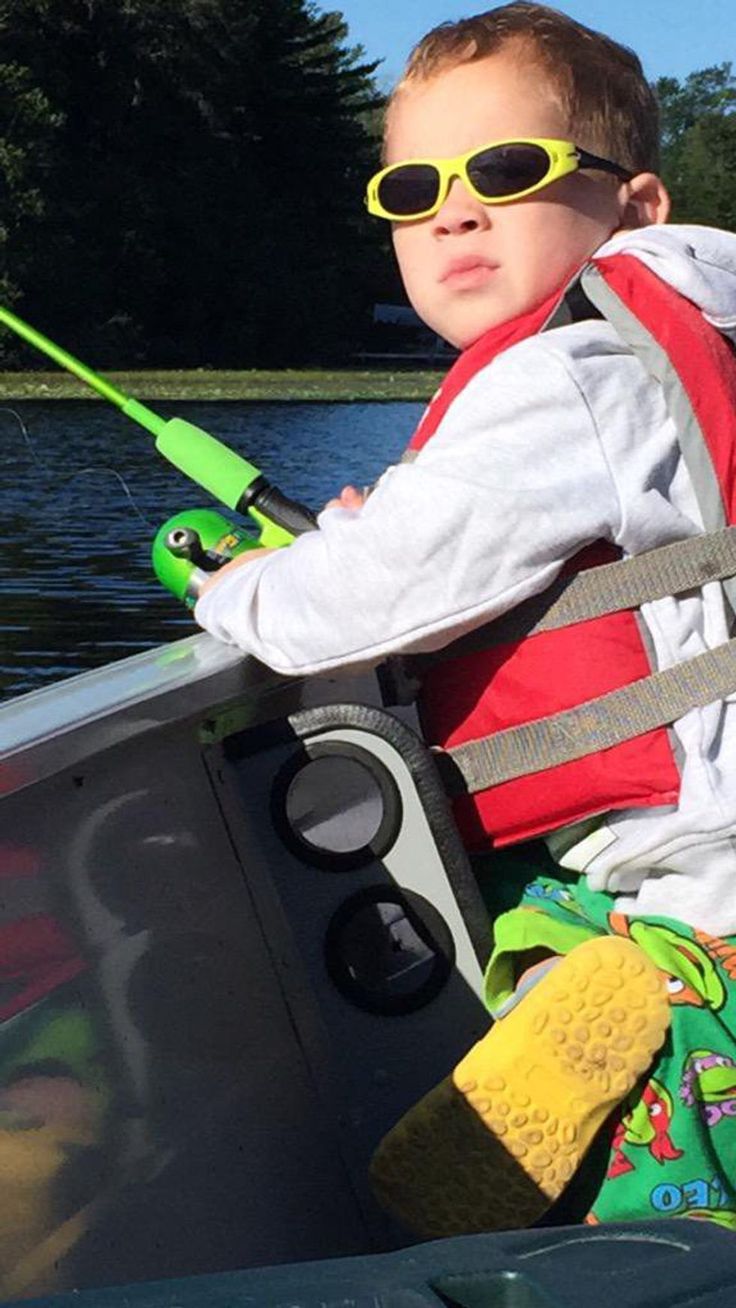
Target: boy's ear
[644,200]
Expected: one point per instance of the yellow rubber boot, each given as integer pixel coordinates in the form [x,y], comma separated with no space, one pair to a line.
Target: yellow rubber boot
[496,1143]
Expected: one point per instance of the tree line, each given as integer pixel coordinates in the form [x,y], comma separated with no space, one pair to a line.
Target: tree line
[699,145]
[181,181]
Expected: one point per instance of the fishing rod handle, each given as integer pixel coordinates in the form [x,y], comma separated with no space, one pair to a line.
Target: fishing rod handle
[269,501]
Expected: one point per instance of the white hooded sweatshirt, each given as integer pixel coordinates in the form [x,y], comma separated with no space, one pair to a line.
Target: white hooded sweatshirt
[562,440]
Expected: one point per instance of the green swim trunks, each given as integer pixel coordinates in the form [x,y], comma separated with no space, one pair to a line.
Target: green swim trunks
[672,1146]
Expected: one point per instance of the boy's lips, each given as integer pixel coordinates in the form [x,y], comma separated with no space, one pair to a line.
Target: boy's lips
[468,271]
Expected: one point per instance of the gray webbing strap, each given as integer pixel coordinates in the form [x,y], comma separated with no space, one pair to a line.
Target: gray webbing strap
[609,588]
[601,723]
[667,570]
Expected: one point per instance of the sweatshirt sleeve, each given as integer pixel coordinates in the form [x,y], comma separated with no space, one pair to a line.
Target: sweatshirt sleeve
[513,483]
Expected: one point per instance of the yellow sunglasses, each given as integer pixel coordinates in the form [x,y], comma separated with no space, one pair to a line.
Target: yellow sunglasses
[495,174]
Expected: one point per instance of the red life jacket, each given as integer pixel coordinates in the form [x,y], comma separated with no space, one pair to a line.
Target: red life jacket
[475,695]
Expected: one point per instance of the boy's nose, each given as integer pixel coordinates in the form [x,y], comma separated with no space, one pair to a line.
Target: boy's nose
[460,212]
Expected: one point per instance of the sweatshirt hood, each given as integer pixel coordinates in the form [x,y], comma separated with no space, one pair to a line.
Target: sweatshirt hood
[698,262]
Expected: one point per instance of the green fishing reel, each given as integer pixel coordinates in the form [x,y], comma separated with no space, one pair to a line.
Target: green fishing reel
[194,544]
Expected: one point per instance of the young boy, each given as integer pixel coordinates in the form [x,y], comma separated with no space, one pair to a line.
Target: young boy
[518,146]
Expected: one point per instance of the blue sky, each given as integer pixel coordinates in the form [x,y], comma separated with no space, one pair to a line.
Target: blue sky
[671,37]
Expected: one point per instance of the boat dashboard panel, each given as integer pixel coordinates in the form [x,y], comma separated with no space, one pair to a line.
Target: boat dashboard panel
[238,936]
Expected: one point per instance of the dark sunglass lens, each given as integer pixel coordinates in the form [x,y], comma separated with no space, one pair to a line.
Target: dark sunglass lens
[507,169]
[410,189]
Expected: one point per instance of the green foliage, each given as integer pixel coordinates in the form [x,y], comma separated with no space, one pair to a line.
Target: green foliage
[682,104]
[29,127]
[203,200]
[705,189]
[699,145]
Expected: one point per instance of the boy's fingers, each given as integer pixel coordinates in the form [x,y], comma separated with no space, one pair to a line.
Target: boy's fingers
[349,498]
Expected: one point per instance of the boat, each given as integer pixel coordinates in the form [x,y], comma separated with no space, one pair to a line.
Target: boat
[241,937]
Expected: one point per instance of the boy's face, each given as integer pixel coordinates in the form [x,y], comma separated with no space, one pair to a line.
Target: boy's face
[471,265]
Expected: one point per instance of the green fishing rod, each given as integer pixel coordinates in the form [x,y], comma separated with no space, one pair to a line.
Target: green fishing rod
[198,542]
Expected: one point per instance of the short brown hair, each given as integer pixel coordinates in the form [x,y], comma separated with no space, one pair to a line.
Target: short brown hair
[611,108]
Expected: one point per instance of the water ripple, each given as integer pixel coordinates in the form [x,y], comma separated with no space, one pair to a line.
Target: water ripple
[75,572]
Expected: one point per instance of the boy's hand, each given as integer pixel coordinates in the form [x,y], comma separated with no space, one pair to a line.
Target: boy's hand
[349,498]
[238,562]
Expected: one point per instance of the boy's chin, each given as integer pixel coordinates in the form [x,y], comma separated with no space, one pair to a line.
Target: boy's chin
[462,329]
[464,323]
[465,335]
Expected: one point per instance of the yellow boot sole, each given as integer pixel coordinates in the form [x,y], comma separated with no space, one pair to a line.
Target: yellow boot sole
[494,1144]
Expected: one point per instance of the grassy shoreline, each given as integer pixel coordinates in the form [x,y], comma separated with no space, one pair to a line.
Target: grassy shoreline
[282,385]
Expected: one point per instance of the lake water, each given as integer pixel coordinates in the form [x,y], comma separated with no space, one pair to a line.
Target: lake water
[84,492]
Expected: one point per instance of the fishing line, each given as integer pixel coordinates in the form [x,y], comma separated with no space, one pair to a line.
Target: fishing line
[230,478]
[51,476]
